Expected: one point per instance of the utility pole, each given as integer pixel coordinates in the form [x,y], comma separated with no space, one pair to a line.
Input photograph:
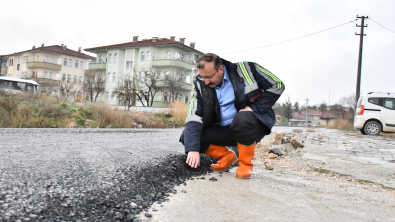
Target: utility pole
[358,90]
[307,102]
[1,63]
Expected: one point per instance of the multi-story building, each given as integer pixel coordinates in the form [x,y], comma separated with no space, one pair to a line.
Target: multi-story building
[48,65]
[165,56]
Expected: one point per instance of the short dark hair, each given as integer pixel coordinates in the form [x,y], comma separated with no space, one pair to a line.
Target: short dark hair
[209,57]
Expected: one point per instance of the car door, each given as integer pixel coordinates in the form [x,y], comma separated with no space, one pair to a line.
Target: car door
[388,114]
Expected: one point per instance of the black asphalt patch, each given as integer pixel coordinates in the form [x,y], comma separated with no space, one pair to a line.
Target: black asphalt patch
[130,191]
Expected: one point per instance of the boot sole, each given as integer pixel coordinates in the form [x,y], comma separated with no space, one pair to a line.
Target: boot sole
[240,177]
[233,162]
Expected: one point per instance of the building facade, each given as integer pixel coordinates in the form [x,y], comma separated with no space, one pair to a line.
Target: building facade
[48,65]
[166,57]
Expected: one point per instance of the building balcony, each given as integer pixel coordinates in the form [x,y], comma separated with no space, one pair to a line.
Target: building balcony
[4,69]
[97,66]
[45,65]
[172,63]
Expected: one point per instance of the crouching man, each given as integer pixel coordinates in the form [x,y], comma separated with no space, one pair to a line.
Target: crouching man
[231,104]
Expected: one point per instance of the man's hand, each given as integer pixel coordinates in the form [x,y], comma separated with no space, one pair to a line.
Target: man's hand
[193,159]
[247,108]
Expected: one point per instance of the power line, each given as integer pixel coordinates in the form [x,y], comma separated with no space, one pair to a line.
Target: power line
[290,39]
[383,8]
[382,26]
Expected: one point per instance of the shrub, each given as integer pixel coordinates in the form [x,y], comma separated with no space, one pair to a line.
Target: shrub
[179,111]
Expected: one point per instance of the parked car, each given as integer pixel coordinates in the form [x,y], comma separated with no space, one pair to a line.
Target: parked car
[375,113]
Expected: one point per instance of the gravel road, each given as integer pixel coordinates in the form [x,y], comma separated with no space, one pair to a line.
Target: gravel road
[88,174]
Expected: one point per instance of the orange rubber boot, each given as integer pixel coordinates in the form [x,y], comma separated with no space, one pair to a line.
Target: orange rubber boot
[246,153]
[226,157]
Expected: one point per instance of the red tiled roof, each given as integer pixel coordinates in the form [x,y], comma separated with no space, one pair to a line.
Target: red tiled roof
[328,115]
[298,115]
[59,49]
[139,43]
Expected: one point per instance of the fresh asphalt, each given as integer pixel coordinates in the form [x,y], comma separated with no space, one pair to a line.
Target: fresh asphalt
[90,174]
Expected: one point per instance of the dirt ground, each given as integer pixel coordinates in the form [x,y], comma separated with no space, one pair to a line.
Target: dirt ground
[310,184]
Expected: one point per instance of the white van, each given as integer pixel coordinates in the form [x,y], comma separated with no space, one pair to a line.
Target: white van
[16,85]
[375,113]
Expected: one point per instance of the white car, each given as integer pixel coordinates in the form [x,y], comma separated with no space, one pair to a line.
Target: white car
[375,113]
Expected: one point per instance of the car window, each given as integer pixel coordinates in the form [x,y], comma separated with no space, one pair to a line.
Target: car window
[389,103]
[375,101]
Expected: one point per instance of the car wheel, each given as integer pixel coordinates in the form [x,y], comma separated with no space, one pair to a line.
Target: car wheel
[372,128]
[363,132]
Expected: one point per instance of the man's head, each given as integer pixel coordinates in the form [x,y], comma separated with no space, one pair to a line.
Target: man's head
[211,69]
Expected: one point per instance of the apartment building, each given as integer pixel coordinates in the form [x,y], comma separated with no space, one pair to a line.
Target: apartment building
[48,65]
[114,62]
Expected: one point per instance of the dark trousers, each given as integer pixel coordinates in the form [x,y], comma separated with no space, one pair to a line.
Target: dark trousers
[245,129]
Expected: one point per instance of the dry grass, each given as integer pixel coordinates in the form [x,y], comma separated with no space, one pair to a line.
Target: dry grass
[341,124]
[179,111]
[38,111]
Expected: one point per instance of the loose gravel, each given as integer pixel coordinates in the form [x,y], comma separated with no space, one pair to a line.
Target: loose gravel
[89,175]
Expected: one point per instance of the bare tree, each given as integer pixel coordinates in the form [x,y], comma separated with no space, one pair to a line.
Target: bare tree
[66,89]
[349,102]
[99,85]
[174,82]
[148,85]
[127,89]
[89,82]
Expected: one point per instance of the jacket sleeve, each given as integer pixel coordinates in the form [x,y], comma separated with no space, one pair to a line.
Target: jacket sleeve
[271,86]
[194,122]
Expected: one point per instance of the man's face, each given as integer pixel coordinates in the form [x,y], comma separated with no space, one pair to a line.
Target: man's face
[212,77]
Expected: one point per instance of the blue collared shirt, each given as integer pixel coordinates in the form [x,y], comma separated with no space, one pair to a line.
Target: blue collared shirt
[226,99]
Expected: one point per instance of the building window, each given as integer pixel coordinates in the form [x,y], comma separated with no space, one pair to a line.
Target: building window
[188,79]
[68,78]
[57,76]
[168,55]
[100,59]
[167,75]
[129,65]
[59,61]
[107,96]
[76,64]
[38,58]
[80,80]
[189,58]
[116,57]
[109,77]
[25,59]
[148,55]
[70,62]
[50,75]
[65,62]
[186,99]
[81,65]
[110,58]
[45,75]
[45,58]
[51,60]
[142,56]
[64,77]
[114,77]
[87,97]
[75,79]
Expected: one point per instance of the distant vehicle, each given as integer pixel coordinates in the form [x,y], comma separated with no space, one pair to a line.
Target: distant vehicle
[375,113]
[16,85]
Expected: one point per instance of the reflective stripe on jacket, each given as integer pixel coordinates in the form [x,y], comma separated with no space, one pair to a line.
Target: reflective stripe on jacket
[253,86]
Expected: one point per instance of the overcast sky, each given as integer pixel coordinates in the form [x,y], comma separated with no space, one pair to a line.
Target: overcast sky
[312,67]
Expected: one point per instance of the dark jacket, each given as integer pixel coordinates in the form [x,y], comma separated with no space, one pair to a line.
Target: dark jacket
[253,86]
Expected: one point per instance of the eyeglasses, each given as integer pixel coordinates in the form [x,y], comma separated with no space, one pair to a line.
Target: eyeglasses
[207,78]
